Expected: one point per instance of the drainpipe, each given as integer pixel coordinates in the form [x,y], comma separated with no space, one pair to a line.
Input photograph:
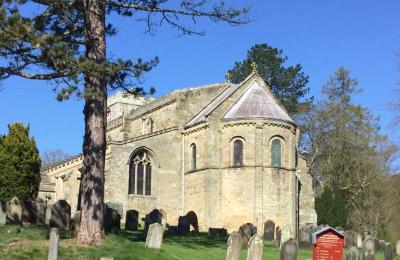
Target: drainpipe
[183,175]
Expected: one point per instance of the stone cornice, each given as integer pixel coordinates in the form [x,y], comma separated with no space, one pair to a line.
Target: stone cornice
[141,137]
[151,107]
[195,129]
[241,167]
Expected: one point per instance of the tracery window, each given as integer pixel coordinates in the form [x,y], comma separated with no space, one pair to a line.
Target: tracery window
[194,157]
[237,153]
[276,153]
[140,174]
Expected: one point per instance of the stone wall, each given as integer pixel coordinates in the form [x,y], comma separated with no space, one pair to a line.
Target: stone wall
[307,212]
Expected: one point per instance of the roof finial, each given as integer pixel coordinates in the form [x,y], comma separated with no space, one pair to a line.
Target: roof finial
[254,67]
[228,76]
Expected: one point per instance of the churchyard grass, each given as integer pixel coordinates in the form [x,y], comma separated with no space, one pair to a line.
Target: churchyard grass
[18,242]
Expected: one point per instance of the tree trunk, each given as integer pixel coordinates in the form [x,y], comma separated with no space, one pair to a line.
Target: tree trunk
[94,143]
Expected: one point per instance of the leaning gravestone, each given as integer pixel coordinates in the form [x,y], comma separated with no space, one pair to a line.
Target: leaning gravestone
[235,242]
[269,230]
[359,241]
[183,225]
[369,248]
[192,217]
[256,246]
[131,220]
[3,215]
[305,236]
[28,212]
[247,231]
[398,248]
[155,236]
[61,215]
[352,254]
[14,211]
[289,250]
[389,253]
[286,235]
[112,221]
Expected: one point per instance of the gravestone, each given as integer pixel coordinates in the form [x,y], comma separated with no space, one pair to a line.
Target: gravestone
[359,241]
[289,250]
[61,215]
[48,214]
[247,231]
[112,221]
[164,218]
[28,212]
[286,235]
[381,245]
[192,217]
[183,225]
[256,245]
[3,214]
[398,248]
[53,244]
[389,253]
[277,241]
[14,211]
[235,243]
[305,236]
[369,248]
[155,236]
[117,206]
[352,254]
[131,219]
[269,230]
[154,216]
[172,230]
[76,222]
[40,212]
[217,232]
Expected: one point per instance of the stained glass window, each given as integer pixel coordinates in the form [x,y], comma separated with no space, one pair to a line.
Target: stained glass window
[276,152]
[238,153]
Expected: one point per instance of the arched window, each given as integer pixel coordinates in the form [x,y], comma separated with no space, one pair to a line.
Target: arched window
[194,157]
[276,153]
[237,153]
[140,174]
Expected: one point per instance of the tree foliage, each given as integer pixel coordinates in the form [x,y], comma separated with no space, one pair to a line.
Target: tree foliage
[65,41]
[288,83]
[19,164]
[348,154]
[331,208]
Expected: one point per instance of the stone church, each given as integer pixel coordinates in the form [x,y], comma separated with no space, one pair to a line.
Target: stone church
[226,151]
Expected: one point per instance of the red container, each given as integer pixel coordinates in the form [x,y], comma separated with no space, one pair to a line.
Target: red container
[328,244]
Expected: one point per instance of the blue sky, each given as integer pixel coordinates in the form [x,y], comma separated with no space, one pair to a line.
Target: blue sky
[361,35]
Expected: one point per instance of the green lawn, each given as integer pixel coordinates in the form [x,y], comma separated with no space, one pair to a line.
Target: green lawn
[32,243]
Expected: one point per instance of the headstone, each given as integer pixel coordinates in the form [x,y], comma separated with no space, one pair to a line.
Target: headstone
[154,216]
[256,245]
[61,215]
[235,243]
[53,244]
[217,232]
[359,241]
[172,230]
[106,258]
[40,212]
[112,221]
[3,214]
[28,212]
[277,241]
[76,222]
[247,231]
[289,250]
[183,225]
[398,248]
[192,217]
[381,245]
[155,236]
[117,206]
[352,254]
[286,235]
[269,230]
[48,214]
[305,236]
[369,248]
[14,211]
[131,219]
[389,253]
[164,218]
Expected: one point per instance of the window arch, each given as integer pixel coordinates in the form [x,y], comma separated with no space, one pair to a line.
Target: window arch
[238,152]
[194,157]
[276,152]
[140,169]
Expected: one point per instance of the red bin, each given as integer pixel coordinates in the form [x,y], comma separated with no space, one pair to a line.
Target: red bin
[328,244]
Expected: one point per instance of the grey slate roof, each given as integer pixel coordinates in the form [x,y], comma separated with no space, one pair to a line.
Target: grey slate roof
[255,103]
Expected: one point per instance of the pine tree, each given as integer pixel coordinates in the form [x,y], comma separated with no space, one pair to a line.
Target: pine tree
[288,83]
[19,164]
[65,41]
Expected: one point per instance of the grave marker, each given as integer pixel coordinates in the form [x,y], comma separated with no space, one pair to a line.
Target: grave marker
[155,236]
[235,243]
[256,245]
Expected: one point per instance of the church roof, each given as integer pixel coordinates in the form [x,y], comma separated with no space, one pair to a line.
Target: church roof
[256,102]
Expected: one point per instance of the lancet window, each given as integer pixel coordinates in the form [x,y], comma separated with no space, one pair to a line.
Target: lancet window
[140,171]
